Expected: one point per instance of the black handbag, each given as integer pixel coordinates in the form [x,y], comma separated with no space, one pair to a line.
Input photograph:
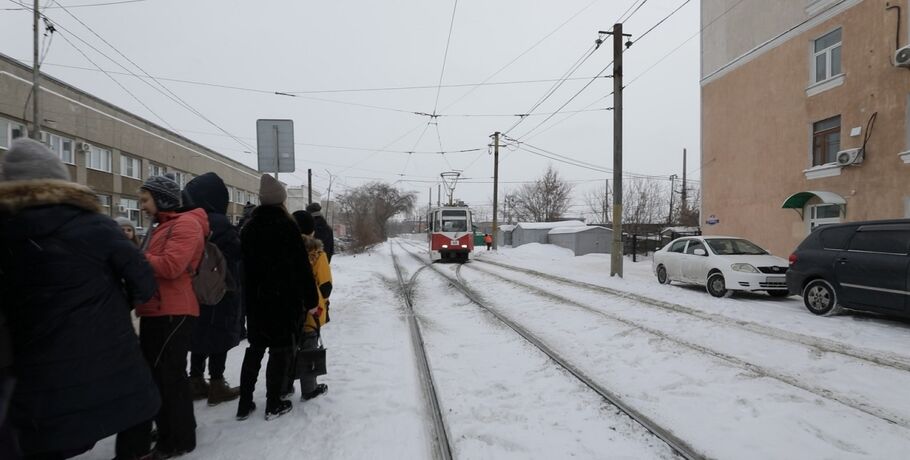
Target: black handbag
[311,362]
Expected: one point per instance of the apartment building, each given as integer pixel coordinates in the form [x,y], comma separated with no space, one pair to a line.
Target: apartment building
[109,149]
[804,116]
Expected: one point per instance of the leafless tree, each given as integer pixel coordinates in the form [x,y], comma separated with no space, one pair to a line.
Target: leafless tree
[368,208]
[645,201]
[598,204]
[545,200]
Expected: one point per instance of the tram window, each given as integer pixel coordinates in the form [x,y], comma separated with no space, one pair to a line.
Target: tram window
[454,225]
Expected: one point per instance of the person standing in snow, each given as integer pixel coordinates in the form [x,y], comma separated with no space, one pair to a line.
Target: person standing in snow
[324,233]
[128,229]
[218,327]
[68,279]
[488,240]
[316,317]
[279,290]
[174,247]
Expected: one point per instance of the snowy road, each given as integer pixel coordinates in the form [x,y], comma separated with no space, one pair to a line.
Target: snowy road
[746,377]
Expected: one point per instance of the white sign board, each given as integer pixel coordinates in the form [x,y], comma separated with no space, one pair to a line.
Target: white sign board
[275,145]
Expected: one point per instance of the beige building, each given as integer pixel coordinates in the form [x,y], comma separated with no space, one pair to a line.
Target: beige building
[109,149]
[790,89]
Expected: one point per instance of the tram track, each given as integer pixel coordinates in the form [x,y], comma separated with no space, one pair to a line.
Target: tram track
[756,369]
[667,436]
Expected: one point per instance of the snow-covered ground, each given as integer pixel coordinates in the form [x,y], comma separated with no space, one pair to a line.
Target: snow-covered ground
[717,379]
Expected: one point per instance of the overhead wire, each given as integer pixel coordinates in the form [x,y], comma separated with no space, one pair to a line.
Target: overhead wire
[445,57]
[77,6]
[623,18]
[686,2]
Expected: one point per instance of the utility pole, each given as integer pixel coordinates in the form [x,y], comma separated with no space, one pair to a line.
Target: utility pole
[439,195]
[309,186]
[328,197]
[495,187]
[672,193]
[616,258]
[36,77]
[684,210]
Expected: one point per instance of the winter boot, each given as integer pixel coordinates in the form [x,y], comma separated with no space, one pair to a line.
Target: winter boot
[320,390]
[277,409]
[220,392]
[199,387]
[245,408]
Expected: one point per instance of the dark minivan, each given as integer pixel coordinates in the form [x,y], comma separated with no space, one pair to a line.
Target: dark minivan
[857,265]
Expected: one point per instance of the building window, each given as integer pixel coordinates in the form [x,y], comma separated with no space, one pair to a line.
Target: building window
[240,196]
[823,214]
[10,130]
[62,146]
[825,141]
[155,170]
[99,159]
[826,56]
[180,178]
[105,201]
[130,167]
[129,208]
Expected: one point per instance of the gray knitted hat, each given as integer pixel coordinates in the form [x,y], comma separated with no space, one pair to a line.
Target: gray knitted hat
[165,192]
[124,222]
[271,192]
[28,159]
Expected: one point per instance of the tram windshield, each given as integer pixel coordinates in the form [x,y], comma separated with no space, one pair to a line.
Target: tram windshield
[454,221]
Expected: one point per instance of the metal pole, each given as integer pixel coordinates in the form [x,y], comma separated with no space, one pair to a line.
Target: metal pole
[328,197]
[685,204]
[36,83]
[495,187]
[439,195]
[309,186]
[616,258]
[277,153]
[672,192]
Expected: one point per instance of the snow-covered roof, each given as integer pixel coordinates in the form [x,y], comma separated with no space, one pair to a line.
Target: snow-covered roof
[550,225]
[506,228]
[564,230]
[680,230]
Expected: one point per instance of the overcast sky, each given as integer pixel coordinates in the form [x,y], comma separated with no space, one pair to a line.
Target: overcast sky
[305,46]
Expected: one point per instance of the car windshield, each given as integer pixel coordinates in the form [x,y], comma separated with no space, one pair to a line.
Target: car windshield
[734,246]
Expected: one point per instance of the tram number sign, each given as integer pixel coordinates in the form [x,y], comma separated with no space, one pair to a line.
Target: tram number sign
[455,242]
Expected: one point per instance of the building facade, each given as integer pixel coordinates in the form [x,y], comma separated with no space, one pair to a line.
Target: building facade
[109,149]
[790,90]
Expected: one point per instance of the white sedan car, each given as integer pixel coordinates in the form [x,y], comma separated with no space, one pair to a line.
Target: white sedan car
[722,264]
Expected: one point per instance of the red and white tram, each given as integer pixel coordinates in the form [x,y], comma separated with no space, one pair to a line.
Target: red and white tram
[451,234]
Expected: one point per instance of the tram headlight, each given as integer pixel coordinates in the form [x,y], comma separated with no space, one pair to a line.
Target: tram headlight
[464,246]
[445,246]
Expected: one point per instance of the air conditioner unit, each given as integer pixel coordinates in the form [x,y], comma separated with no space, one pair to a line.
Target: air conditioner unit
[850,157]
[902,57]
[84,147]
[122,209]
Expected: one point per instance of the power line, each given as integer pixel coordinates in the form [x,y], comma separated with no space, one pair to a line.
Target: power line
[662,21]
[625,18]
[445,57]
[76,6]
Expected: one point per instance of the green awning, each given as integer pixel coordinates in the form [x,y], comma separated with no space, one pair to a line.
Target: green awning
[798,200]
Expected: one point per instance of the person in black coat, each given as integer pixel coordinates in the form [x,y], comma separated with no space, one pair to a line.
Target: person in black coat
[324,233]
[68,278]
[279,289]
[218,328]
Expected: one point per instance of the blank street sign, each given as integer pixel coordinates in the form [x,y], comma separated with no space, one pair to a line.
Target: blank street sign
[275,145]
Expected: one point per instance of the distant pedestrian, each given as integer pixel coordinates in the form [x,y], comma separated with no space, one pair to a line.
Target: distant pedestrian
[68,278]
[174,247]
[317,317]
[279,290]
[129,229]
[324,233]
[218,327]
[488,240]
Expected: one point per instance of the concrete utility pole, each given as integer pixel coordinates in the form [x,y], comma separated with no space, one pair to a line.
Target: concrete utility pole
[36,80]
[328,197]
[672,193]
[309,186]
[616,258]
[439,195]
[684,210]
[495,187]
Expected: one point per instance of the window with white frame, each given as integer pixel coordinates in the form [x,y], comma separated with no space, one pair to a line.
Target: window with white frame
[254,199]
[105,201]
[155,170]
[99,159]
[130,167]
[60,145]
[180,178]
[826,57]
[823,214]
[231,194]
[129,208]
[10,130]
[239,196]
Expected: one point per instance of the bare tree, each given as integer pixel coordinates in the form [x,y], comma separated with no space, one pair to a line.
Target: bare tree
[645,201]
[368,208]
[545,200]
[598,204]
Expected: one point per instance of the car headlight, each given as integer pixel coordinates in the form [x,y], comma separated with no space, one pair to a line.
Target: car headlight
[745,268]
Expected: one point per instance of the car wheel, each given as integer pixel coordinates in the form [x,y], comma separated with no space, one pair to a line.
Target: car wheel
[717,285]
[820,298]
[662,276]
[780,294]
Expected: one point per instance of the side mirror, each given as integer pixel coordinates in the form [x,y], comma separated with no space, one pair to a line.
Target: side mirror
[700,252]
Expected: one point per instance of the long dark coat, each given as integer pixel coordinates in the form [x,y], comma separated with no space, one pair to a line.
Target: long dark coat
[325,234]
[68,277]
[218,327]
[279,285]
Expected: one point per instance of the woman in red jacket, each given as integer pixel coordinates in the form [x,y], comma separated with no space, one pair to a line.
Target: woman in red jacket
[174,249]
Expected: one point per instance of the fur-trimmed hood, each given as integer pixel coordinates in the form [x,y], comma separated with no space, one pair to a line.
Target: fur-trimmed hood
[18,195]
[312,244]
